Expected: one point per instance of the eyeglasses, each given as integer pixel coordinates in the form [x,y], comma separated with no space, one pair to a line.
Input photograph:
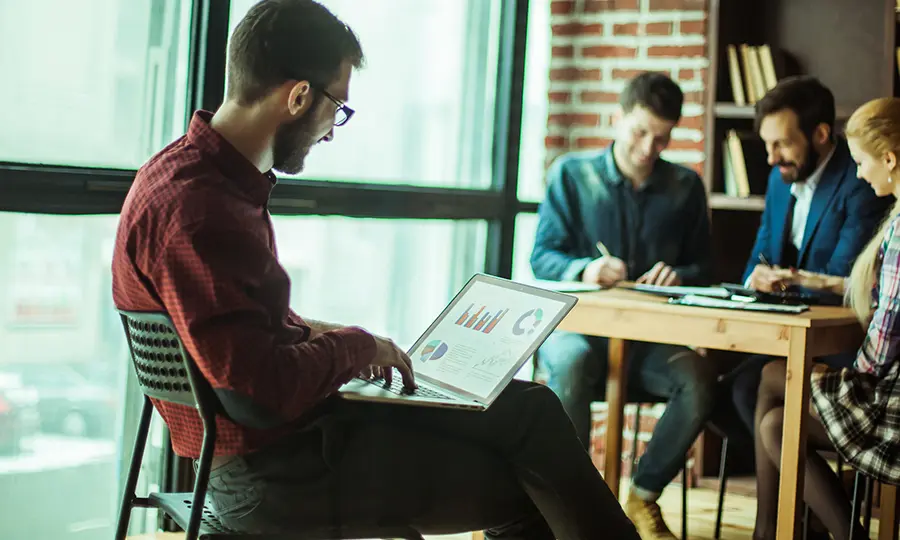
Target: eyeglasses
[343,113]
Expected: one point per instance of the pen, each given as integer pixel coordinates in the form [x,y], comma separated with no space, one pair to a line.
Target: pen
[602,249]
[781,284]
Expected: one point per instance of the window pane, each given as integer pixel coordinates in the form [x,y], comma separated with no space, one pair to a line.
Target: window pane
[534,115]
[526,227]
[392,277]
[63,379]
[425,100]
[92,82]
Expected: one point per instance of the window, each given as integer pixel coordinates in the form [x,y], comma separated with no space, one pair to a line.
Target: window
[392,277]
[425,100]
[535,107]
[101,82]
[526,227]
[63,371]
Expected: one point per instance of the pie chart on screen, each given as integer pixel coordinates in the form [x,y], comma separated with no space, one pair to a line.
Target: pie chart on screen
[434,350]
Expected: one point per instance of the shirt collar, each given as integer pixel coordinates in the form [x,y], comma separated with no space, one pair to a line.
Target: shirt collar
[614,174]
[230,161]
[809,185]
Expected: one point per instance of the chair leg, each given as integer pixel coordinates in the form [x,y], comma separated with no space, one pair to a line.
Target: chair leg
[134,470]
[805,521]
[201,480]
[854,506]
[723,478]
[870,485]
[684,499]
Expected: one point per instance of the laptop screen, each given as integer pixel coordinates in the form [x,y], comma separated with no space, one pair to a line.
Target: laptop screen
[486,334]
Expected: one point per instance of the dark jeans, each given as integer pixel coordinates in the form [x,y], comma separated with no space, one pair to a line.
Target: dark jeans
[512,470]
[742,385]
[577,366]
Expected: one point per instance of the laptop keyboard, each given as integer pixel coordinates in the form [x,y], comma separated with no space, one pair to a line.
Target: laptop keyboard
[396,387]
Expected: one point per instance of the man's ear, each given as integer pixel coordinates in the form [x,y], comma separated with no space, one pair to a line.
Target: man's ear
[300,98]
[822,134]
[617,115]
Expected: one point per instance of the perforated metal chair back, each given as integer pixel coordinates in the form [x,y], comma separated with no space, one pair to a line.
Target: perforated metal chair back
[165,371]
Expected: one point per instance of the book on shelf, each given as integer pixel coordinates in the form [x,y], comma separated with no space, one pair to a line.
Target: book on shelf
[745,169]
[734,75]
[751,72]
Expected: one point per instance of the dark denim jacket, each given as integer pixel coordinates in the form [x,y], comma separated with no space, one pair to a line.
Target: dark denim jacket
[589,201]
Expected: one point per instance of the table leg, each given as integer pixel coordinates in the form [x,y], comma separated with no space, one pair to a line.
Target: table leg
[616,382]
[887,519]
[793,449]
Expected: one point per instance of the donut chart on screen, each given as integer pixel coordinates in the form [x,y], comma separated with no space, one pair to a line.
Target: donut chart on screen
[433,350]
[528,322]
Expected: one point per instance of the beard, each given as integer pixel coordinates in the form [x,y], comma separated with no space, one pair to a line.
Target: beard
[801,172]
[292,144]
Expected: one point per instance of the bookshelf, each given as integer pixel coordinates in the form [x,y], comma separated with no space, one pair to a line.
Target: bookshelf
[850,45]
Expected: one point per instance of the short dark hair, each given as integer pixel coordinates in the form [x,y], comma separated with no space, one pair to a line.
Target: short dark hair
[811,101]
[655,91]
[280,40]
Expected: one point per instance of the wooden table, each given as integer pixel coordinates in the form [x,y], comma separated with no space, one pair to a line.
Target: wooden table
[621,314]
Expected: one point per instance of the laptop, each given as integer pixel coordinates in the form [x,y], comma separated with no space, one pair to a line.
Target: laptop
[475,346]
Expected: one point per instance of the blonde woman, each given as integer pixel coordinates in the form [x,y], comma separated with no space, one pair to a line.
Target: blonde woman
[852,411]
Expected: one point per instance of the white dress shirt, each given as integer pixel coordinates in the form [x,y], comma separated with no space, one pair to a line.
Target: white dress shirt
[803,192]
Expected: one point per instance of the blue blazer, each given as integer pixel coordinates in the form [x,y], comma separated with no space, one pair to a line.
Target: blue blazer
[843,216]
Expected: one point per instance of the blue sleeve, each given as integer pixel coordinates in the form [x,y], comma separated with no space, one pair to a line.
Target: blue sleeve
[554,241]
[695,262]
[865,212]
[762,244]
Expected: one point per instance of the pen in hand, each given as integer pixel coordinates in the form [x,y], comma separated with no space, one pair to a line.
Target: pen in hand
[781,285]
[602,249]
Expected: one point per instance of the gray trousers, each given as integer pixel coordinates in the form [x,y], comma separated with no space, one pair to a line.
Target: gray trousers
[516,470]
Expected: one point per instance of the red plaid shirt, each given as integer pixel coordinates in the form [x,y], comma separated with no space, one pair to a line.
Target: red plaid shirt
[195,240]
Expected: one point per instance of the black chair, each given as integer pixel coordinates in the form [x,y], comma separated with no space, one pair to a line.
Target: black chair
[166,372]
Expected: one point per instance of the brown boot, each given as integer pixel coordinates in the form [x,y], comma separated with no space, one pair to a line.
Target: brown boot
[647,518]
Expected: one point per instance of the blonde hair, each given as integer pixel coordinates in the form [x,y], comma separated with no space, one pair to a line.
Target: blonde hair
[875,128]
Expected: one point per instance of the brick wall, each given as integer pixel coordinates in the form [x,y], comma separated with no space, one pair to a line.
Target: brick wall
[597,45]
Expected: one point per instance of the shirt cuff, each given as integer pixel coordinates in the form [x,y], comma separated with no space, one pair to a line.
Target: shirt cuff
[360,345]
[575,269]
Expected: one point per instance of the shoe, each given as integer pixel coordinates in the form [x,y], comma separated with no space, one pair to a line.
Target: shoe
[647,519]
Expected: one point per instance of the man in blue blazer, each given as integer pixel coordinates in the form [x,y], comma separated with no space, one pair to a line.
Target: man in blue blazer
[818,214]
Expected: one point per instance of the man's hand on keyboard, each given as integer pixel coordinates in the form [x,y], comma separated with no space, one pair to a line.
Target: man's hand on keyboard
[387,356]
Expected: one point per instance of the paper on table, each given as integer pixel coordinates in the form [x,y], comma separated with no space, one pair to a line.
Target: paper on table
[706,301]
[717,292]
[564,286]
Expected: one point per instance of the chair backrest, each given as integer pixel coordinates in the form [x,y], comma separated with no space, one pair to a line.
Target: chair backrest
[164,369]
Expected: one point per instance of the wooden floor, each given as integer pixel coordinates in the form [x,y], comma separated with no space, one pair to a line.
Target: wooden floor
[740,512]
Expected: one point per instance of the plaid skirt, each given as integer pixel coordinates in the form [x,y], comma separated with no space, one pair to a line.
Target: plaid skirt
[861,413]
